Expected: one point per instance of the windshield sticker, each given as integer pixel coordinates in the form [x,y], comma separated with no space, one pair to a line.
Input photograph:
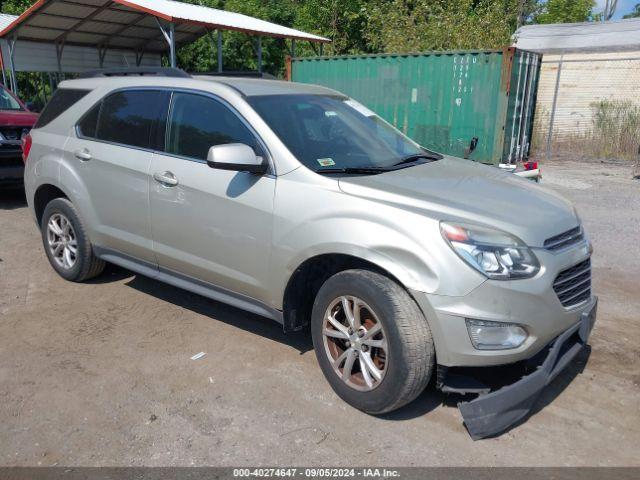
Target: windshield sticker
[360,108]
[330,114]
[326,162]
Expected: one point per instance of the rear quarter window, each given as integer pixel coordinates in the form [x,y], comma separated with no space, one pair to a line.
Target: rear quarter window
[62,99]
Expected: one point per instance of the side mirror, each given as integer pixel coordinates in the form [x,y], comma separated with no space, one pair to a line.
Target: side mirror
[237,157]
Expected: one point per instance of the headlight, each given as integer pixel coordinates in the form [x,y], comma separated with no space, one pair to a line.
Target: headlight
[496,254]
[495,335]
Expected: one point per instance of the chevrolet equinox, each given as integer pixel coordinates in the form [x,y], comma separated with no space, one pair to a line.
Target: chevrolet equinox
[301,205]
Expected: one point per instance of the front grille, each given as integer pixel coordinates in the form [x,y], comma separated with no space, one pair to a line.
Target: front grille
[571,237]
[573,285]
[14,133]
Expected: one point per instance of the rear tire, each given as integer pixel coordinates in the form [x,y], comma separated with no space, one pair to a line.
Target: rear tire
[397,356]
[66,242]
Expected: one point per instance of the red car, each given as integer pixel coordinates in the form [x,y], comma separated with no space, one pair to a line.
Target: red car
[16,122]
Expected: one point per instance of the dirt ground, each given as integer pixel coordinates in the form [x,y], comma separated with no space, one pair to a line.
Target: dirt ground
[100,374]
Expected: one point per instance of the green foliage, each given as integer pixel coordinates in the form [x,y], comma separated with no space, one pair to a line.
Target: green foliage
[342,21]
[418,25]
[367,26]
[635,13]
[566,11]
[616,128]
[15,7]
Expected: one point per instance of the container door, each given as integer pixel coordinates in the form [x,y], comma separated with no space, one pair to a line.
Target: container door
[523,85]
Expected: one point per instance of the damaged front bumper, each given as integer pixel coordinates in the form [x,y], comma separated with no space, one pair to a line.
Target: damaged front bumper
[492,413]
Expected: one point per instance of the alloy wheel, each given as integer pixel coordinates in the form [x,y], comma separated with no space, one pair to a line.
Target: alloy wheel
[62,241]
[355,343]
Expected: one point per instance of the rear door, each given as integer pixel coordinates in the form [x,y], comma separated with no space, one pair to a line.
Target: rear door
[112,151]
[210,225]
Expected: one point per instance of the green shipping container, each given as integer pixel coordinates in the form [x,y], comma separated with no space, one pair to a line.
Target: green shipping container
[442,100]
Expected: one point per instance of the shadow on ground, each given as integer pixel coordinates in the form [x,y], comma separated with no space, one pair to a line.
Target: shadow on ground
[221,312]
[12,198]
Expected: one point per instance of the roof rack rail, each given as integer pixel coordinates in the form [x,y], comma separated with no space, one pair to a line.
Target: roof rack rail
[245,74]
[137,72]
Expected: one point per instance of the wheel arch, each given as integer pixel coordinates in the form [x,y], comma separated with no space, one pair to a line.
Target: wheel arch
[44,194]
[306,280]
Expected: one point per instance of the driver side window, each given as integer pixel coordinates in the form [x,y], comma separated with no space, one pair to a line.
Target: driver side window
[197,123]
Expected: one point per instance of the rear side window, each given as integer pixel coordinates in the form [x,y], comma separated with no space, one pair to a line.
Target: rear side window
[127,118]
[62,99]
[198,123]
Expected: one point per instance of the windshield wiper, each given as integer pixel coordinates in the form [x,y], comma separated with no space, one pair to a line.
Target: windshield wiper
[418,156]
[353,170]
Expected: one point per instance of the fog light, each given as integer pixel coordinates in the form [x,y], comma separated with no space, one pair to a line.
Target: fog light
[495,335]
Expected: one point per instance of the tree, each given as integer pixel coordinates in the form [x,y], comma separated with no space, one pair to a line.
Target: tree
[15,7]
[343,21]
[635,13]
[419,25]
[566,11]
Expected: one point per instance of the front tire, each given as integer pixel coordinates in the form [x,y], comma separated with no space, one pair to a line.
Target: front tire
[372,341]
[66,242]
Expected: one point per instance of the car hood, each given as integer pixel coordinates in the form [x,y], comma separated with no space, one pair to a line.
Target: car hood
[462,190]
[11,118]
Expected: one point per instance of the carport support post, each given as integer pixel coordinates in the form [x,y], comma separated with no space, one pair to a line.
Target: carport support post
[219,51]
[59,50]
[172,45]
[102,52]
[4,73]
[12,68]
[260,54]
[170,37]
[139,55]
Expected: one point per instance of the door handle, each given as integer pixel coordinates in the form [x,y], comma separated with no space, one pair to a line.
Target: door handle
[167,179]
[83,155]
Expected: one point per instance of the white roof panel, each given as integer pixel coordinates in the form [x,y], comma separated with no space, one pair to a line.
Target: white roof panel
[173,10]
[101,21]
[5,20]
[617,35]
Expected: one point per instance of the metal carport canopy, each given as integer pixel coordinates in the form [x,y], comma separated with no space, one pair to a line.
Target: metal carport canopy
[137,25]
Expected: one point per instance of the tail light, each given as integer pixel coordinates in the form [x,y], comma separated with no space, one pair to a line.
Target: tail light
[26,147]
[531,166]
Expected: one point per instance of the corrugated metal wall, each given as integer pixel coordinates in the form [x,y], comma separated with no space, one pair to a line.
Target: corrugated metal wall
[441,100]
[585,78]
[525,70]
[41,57]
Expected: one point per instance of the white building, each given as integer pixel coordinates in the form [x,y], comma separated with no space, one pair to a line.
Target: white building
[582,64]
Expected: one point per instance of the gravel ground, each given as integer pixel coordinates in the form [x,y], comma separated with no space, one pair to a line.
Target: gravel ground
[100,373]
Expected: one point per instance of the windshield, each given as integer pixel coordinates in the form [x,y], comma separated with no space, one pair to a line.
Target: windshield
[326,132]
[7,102]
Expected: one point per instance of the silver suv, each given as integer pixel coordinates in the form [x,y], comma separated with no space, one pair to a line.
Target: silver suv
[299,204]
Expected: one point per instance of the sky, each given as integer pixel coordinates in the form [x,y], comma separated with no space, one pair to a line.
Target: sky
[624,7]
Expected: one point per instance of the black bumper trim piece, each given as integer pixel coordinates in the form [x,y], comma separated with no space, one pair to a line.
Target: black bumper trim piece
[491,414]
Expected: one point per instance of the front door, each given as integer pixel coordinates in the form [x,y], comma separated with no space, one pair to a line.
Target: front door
[210,225]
